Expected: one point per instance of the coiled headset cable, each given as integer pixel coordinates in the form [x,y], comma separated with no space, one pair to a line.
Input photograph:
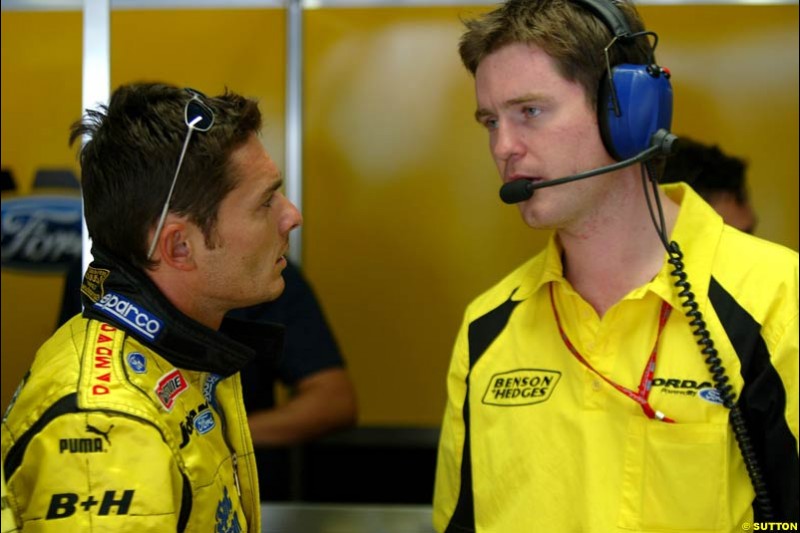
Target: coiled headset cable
[718,374]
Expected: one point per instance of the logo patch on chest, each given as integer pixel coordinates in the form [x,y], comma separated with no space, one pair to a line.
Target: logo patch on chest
[525,386]
[169,387]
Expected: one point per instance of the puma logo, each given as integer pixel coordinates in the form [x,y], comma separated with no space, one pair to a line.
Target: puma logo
[104,434]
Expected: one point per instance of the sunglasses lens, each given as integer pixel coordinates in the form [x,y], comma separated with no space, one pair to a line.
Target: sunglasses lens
[195,109]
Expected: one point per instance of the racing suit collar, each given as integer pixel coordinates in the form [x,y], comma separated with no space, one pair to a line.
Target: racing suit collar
[114,291]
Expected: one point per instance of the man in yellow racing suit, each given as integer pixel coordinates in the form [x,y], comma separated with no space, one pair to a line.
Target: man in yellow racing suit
[131,416]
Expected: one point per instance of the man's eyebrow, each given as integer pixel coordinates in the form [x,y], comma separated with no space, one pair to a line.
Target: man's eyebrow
[271,189]
[482,113]
[275,186]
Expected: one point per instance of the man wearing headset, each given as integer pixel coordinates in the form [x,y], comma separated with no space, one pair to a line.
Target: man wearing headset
[578,399]
[131,416]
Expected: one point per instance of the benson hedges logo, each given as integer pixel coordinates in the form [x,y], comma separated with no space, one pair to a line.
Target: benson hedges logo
[525,386]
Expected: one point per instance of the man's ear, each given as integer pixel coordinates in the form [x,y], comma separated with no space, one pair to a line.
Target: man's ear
[176,247]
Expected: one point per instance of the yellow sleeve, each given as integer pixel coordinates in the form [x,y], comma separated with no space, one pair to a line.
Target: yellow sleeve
[94,471]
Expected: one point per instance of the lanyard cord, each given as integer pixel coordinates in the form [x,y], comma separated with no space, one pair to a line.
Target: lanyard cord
[645,383]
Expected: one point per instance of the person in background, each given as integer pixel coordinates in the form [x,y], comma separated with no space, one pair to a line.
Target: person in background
[131,416]
[322,398]
[720,179]
[578,396]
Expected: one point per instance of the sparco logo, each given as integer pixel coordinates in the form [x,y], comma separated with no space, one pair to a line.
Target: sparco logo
[41,233]
[169,387]
[521,387]
[143,321]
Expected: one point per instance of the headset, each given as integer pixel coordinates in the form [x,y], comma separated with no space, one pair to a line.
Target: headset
[634,103]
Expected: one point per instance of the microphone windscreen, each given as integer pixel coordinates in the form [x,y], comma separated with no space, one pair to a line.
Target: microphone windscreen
[516,191]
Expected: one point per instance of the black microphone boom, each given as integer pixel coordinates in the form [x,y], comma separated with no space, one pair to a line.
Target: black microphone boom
[520,190]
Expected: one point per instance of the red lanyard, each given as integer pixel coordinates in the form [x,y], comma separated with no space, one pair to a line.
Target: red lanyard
[641,396]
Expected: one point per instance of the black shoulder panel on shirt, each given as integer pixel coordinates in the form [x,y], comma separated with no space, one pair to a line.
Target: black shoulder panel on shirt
[67,404]
[763,404]
[482,332]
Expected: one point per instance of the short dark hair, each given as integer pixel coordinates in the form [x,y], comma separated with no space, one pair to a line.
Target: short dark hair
[128,163]
[707,169]
[570,34]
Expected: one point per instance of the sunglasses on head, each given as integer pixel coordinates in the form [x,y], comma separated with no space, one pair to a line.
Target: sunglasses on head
[197,116]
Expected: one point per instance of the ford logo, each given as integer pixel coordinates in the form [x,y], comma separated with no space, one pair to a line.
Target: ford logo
[710,394]
[41,233]
[204,422]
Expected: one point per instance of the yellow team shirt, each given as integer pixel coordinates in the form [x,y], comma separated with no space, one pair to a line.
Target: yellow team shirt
[535,440]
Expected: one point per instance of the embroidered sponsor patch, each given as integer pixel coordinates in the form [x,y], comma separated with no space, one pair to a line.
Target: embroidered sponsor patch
[169,387]
[200,420]
[680,386]
[227,517]
[710,394]
[87,444]
[210,389]
[138,318]
[137,362]
[92,285]
[525,386]
[103,369]
[204,422]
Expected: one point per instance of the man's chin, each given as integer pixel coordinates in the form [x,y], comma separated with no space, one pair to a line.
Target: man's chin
[276,289]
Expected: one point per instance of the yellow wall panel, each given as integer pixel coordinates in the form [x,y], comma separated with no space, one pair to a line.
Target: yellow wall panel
[209,50]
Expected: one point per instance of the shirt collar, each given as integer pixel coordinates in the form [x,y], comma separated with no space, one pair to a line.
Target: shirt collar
[697,230]
[542,272]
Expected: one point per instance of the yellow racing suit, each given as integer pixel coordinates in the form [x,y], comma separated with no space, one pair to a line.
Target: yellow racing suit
[131,418]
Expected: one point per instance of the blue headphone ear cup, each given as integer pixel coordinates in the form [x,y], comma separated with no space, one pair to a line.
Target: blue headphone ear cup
[645,105]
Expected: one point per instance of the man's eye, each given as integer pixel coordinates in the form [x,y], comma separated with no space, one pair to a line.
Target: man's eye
[531,111]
